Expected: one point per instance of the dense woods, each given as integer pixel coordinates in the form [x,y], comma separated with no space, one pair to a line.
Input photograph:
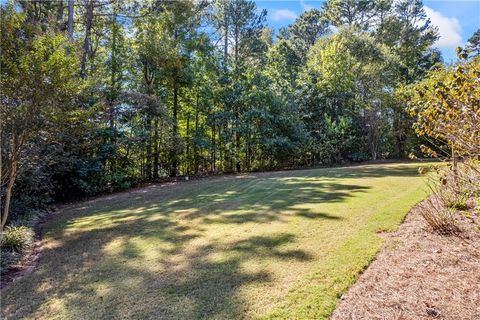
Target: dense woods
[102,95]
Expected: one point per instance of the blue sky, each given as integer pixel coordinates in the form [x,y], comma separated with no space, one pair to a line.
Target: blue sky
[456,20]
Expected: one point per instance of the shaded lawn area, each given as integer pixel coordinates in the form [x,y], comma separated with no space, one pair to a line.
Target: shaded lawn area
[268,245]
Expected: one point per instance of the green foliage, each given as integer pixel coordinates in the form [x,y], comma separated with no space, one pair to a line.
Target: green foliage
[145,90]
[306,31]
[473,44]
[14,241]
[16,238]
[446,106]
[359,157]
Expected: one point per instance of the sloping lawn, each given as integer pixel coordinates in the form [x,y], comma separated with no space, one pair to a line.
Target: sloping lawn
[269,245]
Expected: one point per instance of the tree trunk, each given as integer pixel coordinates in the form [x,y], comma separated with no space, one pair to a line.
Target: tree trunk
[113,82]
[399,131]
[173,172]
[214,151]
[113,96]
[237,144]
[155,149]
[248,152]
[60,25]
[8,192]
[195,147]
[70,18]
[16,149]
[148,156]
[220,149]
[455,169]
[88,35]
[1,172]
[188,144]
[142,164]
[225,44]
[37,11]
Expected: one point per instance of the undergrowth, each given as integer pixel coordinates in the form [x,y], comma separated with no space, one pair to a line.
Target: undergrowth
[456,190]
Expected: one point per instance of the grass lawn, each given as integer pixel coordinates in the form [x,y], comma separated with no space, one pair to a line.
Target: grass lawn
[268,245]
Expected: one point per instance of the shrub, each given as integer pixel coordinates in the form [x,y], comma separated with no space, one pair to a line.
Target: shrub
[440,218]
[454,199]
[16,239]
[454,189]
[445,105]
[459,185]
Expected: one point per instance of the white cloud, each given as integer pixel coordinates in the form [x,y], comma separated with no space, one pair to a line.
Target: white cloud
[283,14]
[449,29]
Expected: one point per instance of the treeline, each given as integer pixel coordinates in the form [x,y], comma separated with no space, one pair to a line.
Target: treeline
[100,95]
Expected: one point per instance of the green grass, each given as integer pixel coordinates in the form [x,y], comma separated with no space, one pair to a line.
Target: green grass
[271,245]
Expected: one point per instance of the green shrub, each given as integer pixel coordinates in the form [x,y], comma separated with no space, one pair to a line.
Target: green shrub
[456,200]
[16,239]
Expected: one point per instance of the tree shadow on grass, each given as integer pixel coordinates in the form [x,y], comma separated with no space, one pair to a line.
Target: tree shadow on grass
[374,171]
[92,283]
[137,255]
[256,194]
[258,200]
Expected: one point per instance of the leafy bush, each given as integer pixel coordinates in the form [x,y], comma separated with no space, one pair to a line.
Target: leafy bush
[16,239]
[29,218]
[445,105]
[32,193]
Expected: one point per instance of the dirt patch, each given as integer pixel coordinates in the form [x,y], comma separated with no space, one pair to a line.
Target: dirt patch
[419,275]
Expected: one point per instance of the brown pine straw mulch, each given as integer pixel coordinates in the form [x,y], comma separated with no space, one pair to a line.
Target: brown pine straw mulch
[419,274]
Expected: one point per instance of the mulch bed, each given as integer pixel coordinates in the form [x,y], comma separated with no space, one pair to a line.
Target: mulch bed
[419,275]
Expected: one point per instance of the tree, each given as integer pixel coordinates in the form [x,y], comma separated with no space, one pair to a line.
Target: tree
[136,91]
[282,68]
[200,108]
[358,14]
[307,29]
[409,35]
[70,18]
[473,44]
[240,26]
[446,105]
[179,32]
[29,60]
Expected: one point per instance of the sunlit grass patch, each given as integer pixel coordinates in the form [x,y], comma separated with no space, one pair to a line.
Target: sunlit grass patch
[270,245]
